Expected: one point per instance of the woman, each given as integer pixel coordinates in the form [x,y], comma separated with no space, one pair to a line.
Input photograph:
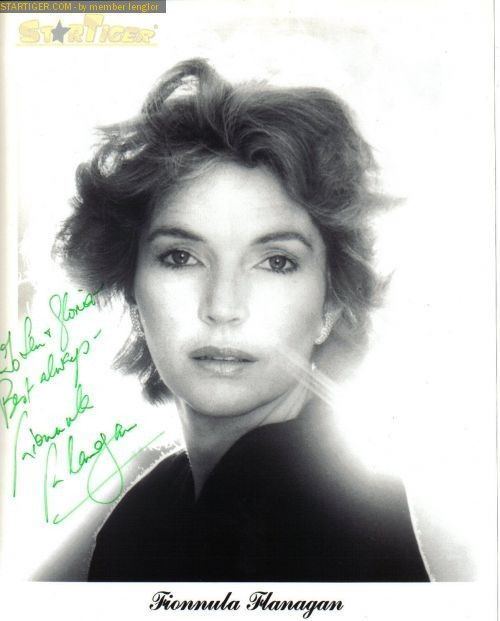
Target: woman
[233,220]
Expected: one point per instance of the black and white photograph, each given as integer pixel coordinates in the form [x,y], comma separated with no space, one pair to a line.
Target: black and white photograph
[248,338]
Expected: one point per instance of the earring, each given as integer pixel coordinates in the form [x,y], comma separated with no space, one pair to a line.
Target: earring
[326,329]
[136,322]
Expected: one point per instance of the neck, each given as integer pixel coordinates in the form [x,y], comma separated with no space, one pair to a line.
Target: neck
[208,437]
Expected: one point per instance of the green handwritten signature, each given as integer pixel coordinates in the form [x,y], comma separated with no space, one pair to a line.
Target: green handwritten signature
[93,486]
[51,354]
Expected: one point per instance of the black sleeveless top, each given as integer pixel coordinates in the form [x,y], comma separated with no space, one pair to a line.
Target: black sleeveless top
[285,503]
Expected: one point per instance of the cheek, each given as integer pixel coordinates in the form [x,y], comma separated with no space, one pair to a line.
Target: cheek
[290,313]
[168,309]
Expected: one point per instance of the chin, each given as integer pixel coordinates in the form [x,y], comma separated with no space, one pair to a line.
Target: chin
[222,408]
[226,401]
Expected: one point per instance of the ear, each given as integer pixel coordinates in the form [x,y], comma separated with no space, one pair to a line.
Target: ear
[330,317]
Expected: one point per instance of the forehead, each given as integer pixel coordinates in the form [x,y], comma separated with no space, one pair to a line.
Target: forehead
[230,199]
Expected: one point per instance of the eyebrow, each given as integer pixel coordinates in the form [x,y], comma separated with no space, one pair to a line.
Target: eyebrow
[181,233]
[284,236]
[173,231]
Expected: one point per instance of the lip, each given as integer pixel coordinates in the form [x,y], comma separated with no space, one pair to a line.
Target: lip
[227,362]
[222,355]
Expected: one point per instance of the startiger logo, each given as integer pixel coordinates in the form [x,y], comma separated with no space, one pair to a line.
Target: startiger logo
[91,31]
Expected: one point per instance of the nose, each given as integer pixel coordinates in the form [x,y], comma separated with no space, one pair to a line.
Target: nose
[224,298]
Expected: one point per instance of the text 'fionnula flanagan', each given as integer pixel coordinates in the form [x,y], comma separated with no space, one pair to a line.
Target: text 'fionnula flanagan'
[258,600]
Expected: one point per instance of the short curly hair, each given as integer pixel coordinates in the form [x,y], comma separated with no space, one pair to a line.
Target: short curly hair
[306,137]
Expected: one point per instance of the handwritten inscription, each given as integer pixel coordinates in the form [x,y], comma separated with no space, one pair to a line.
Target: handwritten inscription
[57,364]
[45,356]
[82,404]
[8,364]
[11,400]
[64,312]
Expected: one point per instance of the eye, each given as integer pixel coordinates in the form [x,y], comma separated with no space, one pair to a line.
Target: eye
[279,263]
[178,258]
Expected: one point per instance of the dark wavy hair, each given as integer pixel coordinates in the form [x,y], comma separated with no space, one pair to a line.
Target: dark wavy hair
[306,137]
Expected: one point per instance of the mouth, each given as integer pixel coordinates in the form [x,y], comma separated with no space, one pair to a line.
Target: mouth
[224,354]
[225,361]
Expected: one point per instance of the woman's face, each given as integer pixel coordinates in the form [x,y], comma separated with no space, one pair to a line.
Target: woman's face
[231,277]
